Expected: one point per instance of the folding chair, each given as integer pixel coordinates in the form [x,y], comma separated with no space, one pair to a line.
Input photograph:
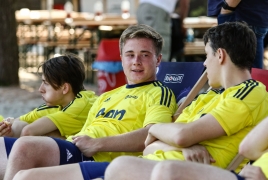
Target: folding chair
[180,76]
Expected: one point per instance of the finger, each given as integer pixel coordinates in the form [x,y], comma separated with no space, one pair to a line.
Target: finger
[212,160]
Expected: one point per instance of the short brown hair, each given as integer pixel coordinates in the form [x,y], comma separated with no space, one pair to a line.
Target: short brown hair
[142,31]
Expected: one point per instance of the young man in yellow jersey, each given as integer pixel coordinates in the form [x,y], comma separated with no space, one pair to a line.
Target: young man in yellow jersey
[254,146]
[216,121]
[117,123]
[65,109]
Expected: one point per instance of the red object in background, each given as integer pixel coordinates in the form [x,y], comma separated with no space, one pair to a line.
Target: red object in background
[108,51]
[58,6]
[260,75]
[109,81]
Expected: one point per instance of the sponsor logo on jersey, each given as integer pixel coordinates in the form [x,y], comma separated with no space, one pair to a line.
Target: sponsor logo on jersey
[173,78]
[113,114]
[130,96]
[69,155]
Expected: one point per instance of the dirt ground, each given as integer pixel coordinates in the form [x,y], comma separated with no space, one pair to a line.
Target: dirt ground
[16,101]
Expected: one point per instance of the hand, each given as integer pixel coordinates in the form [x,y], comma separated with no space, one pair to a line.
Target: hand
[5,127]
[197,153]
[252,173]
[86,144]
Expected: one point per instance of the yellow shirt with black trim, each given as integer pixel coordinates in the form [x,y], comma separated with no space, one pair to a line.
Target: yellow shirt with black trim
[70,119]
[262,162]
[237,109]
[127,109]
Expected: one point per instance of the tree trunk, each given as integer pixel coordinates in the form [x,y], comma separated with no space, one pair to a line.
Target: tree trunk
[9,58]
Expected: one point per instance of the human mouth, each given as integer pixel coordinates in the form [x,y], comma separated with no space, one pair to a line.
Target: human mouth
[137,70]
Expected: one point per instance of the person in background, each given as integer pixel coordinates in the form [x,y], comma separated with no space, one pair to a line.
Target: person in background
[254,13]
[178,31]
[64,112]
[117,123]
[156,13]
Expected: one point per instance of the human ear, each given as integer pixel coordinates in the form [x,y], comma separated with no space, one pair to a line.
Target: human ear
[158,60]
[221,55]
[65,88]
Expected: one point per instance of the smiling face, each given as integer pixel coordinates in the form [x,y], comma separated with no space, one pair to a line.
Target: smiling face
[139,60]
[51,96]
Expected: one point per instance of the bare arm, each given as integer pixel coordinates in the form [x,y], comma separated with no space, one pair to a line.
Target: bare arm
[183,8]
[39,127]
[256,142]
[128,142]
[13,129]
[185,135]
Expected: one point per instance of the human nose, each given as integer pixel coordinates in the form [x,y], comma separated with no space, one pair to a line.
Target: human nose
[204,63]
[41,88]
[137,60]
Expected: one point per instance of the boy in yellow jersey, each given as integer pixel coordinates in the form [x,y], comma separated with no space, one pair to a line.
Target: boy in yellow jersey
[216,121]
[65,110]
[254,146]
[117,123]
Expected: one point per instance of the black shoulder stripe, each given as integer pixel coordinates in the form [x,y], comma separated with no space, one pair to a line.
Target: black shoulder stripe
[78,95]
[244,91]
[66,107]
[44,106]
[166,94]
[170,97]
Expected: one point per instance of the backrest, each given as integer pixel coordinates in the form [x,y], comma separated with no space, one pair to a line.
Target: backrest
[260,75]
[180,76]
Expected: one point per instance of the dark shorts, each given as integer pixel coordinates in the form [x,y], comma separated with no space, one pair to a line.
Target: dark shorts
[92,170]
[237,176]
[69,153]
[9,141]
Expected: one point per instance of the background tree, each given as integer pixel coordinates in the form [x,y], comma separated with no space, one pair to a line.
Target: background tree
[9,58]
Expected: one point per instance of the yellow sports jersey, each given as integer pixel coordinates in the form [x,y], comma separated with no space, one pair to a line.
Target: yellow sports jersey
[262,162]
[238,109]
[126,109]
[1,118]
[70,119]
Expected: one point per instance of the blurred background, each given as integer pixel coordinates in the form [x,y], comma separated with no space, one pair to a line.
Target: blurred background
[35,30]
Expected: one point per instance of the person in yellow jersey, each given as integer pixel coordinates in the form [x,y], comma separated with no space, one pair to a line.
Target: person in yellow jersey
[65,109]
[216,121]
[254,146]
[117,123]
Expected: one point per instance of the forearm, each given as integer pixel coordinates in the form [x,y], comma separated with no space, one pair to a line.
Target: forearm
[39,127]
[256,142]
[128,142]
[167,133]
[17,127]
[184,8]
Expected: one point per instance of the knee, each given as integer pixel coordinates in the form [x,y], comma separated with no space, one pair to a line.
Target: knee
[166,170]
[117,165]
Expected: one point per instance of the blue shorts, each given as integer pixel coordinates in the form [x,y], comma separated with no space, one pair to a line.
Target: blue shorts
[237,176]
[69,153]
[9,141]
[92,170]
